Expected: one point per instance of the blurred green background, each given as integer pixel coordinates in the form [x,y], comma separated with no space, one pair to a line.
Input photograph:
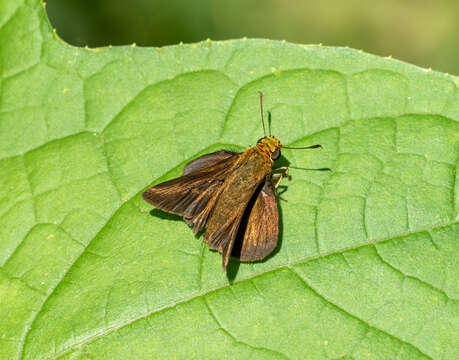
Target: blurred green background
[421,32]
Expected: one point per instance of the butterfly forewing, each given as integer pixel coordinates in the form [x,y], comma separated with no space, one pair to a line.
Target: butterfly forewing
[189,195]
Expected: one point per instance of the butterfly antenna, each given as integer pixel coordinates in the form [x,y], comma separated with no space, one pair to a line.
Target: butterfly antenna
[269,122]
[305,147]
[261,109]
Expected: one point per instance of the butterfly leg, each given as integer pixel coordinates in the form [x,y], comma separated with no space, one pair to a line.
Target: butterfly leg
[278,178]
[285,170]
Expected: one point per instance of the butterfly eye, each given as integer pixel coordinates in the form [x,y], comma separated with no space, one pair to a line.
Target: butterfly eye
[259,140]
[275,155]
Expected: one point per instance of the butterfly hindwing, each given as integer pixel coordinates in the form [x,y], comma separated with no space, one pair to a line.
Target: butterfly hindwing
[207,160]
[261,231]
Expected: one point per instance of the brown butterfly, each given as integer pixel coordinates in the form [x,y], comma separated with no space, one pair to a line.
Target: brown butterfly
[232,195]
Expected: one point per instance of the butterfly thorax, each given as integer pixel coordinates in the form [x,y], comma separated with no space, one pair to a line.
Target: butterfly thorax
[270,146]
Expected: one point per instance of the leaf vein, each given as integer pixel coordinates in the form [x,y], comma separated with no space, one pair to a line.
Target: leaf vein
[235,339]
[413,277]
[368,325]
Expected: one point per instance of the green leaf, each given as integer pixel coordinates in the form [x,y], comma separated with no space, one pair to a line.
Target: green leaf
[367,266]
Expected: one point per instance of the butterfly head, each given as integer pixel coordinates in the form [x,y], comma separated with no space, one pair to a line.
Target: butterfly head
[271,146]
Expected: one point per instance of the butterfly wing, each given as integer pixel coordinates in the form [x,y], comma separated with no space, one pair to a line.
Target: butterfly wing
[191,195]
[261,232]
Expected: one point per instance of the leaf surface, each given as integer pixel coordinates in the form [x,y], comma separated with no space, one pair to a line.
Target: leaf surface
[367,265]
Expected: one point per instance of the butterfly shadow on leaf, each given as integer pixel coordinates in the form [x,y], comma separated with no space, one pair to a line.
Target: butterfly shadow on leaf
[164,215]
